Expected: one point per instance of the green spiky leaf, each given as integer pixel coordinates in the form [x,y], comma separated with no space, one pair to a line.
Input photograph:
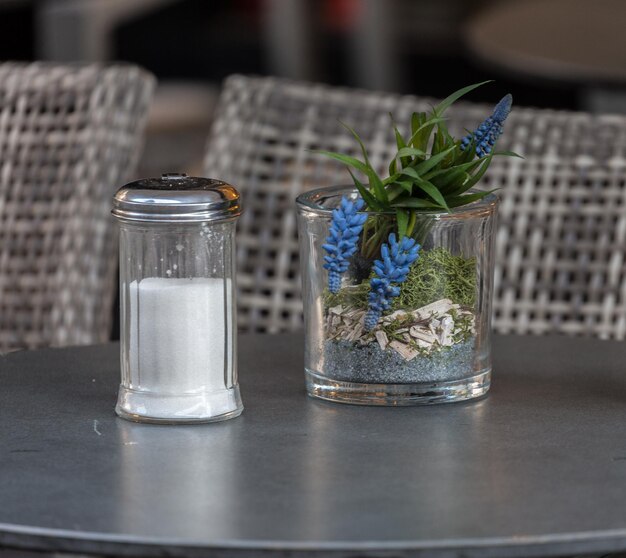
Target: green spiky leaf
[411,152]
[346,160]
[359,141]
[508,154]
[473,179]
[402,219]
[458,201]
[368,198]
[420,135]
[451,99]
[448,180]
[426,187]
[400,144]
[375,182]
[430,163]
[415,203]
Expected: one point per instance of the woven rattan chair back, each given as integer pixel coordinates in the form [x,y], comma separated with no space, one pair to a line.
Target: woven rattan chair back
[562,229]
[69,136]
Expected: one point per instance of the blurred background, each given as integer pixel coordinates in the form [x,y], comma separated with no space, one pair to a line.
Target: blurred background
[556,54]
[550,53]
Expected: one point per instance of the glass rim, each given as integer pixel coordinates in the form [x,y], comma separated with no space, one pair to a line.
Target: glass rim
[309,202]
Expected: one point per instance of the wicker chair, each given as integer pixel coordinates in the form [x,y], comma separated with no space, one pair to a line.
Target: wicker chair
[69,136]
[562,232]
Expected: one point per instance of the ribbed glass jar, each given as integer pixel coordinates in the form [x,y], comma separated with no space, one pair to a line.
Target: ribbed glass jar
[434,343]
[178,318]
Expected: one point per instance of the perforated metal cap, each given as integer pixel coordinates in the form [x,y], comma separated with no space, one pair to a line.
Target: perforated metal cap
[176,198]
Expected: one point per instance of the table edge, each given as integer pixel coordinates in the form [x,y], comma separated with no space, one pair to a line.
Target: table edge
[59,540]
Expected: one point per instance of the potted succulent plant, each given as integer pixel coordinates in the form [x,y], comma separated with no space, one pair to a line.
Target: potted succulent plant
[398,270]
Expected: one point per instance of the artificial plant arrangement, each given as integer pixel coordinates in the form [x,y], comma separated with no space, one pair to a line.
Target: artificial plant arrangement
[400,305]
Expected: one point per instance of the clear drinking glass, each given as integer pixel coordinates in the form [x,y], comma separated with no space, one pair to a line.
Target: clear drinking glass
[434,343]
[178,318]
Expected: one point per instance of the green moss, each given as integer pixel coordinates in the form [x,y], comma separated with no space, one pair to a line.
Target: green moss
[435,275]
[438,274]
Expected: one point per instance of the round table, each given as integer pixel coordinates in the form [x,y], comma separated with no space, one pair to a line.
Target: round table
[538,467]
[573,41]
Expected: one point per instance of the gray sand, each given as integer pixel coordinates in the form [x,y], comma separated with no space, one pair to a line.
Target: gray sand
[348,362]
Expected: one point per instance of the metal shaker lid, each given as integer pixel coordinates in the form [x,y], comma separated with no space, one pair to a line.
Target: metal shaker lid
[176,198]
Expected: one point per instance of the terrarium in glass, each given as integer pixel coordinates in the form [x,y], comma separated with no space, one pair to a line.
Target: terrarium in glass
[433,342]
[398,268]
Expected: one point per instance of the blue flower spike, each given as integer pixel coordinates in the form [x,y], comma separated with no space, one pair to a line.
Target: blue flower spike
[391,271]
[345,228]
[486,135]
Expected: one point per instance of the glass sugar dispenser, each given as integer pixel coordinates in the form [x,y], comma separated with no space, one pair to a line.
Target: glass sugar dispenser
[177,292]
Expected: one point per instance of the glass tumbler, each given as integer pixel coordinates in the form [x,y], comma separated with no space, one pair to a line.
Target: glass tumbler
[178,316]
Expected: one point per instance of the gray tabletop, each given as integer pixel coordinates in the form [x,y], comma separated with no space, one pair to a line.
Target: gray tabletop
[536,468]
